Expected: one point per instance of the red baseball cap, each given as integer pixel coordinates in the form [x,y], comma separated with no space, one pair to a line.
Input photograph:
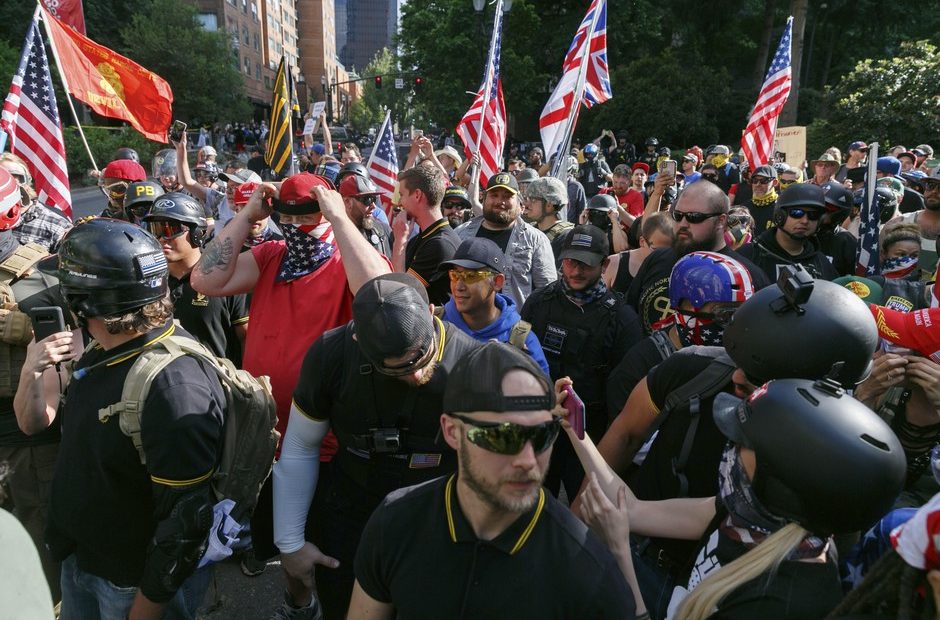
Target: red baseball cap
[356,185]
[295,195]
[243,192]
[125,169]
[641,166]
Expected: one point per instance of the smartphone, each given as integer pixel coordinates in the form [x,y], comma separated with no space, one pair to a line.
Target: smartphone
[47,320]
[177,129]
[417,133]
[575,407]
[668,166]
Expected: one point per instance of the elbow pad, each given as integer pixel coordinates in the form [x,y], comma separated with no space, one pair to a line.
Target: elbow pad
[177,545]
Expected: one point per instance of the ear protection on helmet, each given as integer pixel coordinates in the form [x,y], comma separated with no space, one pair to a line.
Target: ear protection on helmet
[779,217]
[197,235]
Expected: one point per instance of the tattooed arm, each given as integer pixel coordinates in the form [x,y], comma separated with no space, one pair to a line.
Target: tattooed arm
[223,270]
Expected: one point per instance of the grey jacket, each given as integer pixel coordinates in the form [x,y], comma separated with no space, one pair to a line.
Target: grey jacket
[529,255]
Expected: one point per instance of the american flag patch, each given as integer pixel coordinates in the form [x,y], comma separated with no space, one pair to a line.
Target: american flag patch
[424,461]
[582,240]
[151,264]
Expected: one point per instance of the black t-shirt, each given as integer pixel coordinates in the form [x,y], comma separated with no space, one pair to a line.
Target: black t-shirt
[839,247]
[105,504]
[770,257]
[793,591]
[424,254]
[419,553]
[499,237]
[639,360]
[763,216]
[211,320]
[649,291]
[338,383]
[34,291]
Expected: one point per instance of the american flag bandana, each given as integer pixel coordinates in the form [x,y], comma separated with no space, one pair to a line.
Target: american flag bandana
[305,252]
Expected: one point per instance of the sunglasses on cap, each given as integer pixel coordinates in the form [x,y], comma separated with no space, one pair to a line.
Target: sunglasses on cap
[509,438]
[115,190]
[692,217]
[799,213]
[20,177]
[414,365]
[469,276]
[166,230]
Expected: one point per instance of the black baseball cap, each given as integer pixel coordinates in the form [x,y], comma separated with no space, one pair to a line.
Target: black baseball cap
[392,318]
[478,253]
[765,171]
[504,180]
[586,243]
[475,382]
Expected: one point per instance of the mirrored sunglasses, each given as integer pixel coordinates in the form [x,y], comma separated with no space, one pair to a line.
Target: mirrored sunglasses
[509,438]
[797,213]
[166,230]
[469,276]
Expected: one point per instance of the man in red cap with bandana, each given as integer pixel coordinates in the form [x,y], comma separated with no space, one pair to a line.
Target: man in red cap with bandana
[113,182]
[361,197]
[301,287]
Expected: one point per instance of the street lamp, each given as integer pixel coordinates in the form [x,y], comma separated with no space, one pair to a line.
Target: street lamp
[327,94]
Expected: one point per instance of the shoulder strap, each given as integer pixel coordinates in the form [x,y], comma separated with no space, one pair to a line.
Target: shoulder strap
[663,344]
[519,333]
[21,261]
[148,365]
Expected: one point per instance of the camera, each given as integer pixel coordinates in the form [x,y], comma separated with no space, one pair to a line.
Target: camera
[386,440]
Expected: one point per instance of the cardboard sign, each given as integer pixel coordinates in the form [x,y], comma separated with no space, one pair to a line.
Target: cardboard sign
[790,145]
[312,123]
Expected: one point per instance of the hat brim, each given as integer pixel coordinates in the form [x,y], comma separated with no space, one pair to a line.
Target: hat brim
[588,258]
[467,264]
[725,413]
[49,265]
[824,161]
[506,187]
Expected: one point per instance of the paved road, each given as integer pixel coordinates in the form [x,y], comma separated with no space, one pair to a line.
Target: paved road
[86,201]
[233,596]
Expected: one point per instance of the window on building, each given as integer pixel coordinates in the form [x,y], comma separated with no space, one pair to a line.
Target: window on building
[247,64]
[244,6]
[257,72]
[257,42]
[254,11]
[245,35]
[267,81]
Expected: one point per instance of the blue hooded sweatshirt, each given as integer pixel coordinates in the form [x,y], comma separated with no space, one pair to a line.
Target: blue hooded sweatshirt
[500,328]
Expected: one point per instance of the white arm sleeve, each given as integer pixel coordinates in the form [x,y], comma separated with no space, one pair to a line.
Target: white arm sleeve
[295,479]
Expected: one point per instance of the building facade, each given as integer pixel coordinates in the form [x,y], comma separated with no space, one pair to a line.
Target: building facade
[370,25]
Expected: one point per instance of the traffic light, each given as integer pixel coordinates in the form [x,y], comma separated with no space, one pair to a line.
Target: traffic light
[378,82]
[419,82]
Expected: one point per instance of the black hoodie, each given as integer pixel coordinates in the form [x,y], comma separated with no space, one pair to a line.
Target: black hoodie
[767,254]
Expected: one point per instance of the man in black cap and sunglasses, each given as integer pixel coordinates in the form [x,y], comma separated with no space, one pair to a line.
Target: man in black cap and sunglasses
[488,541]
[378,384]
[792,239]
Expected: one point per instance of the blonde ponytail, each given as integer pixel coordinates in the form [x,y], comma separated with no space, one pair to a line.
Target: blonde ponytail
[763,558]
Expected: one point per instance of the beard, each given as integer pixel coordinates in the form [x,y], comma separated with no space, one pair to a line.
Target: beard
[426,375]
[488,491]
[683,246]
[501,218]
[932,205]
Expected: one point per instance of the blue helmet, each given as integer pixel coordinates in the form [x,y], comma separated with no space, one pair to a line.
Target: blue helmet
[703,277]
[590,149]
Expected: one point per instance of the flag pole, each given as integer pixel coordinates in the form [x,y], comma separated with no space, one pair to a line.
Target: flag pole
[561,169]
[292,170]
[487,79]
[65,84]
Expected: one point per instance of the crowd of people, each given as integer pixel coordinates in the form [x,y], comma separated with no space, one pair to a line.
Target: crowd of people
[750,429]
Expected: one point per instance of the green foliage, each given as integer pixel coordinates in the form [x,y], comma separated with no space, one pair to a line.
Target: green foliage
[103,141]
[691,96]
[165,37]
[894,100]
[9,59]
[370,108]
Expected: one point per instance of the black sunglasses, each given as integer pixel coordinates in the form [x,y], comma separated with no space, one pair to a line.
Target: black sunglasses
[797,213]
[366,200]
[510,438]
[710,177]
[692,217]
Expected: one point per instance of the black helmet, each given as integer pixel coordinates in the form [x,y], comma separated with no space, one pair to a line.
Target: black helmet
[664,151]
[824,460]
[652,142]
[180,207]
[623,134]
[839,201]
[126,152]
[107,267]
[802,195]
[801,328]
[457,193]
[138,198]
[887,203]
[353,167]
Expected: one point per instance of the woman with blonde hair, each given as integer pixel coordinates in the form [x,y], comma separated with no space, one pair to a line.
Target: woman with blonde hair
[804,461]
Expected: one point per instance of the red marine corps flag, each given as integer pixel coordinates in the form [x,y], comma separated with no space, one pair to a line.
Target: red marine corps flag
[69,12]
[112,85]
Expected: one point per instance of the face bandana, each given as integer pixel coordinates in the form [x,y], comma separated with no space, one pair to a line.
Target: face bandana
[587,295]
[719,161]
[306,252]
[700,330]
[748,522]
[899,267]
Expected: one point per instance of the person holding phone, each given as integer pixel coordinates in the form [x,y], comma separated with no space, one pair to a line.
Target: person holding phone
[488,541]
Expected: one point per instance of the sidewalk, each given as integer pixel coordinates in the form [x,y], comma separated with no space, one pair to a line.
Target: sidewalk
[233,596]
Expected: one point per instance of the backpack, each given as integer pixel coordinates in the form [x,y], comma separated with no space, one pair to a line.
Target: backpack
[249,438]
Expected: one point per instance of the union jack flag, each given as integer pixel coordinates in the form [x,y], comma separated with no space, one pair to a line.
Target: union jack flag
[590,39]
[489,141]
[758,139]
[383,163]
[31,119]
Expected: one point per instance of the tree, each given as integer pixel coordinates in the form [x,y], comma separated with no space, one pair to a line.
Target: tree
[165,37]
[894,100]
[370,108]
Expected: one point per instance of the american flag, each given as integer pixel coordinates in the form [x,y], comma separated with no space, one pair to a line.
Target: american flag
[867,262]
[758,139]
[31,119]
[490,143]
[383,163]
[590,38]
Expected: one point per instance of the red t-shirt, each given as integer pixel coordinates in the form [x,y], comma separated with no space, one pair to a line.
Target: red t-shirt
[631,200]
[286,317]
